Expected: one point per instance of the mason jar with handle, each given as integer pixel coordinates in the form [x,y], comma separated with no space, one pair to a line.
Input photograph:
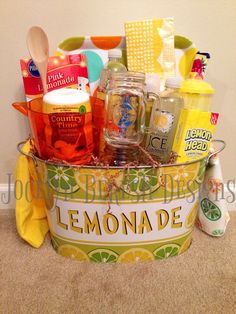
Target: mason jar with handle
[125,108]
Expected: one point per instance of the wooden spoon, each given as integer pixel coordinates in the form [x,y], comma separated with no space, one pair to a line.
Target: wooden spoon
[37,43]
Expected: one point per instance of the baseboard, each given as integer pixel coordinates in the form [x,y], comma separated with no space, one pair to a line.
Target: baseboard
[7,196]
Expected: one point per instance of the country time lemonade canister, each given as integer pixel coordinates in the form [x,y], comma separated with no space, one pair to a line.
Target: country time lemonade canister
[67,121]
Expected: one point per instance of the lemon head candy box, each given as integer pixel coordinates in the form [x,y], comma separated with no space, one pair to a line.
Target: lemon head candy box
[194,134]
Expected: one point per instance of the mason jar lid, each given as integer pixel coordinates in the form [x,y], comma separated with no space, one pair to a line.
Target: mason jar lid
[129,76]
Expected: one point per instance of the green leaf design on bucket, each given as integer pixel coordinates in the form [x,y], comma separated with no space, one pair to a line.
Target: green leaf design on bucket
[103,256]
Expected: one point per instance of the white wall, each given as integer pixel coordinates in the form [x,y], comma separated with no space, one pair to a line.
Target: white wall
[210,24]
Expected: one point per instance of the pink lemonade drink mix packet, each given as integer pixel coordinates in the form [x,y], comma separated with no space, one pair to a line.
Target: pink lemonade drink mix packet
[63,71]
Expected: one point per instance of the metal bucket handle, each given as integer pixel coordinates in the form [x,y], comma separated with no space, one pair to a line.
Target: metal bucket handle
[217,151]
[19,145]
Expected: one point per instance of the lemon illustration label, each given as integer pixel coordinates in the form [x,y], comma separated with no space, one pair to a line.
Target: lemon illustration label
[162,124]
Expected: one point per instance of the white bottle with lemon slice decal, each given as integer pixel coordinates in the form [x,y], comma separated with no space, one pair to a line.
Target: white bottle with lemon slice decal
[163,124]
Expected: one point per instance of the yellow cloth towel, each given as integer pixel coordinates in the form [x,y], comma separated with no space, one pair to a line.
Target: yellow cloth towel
[31,219]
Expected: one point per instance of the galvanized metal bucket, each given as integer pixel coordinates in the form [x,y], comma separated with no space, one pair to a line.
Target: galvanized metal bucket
[120,214]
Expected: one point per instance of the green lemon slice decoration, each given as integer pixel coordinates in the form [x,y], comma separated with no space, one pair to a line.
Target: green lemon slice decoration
[210,210]
[166,251]
[103,256]
[141,181]
[218,232]
[61,179]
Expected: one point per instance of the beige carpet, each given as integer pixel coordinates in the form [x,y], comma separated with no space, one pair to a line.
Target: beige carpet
[202,280]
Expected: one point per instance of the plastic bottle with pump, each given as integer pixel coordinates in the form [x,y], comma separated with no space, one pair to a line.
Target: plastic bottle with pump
[196,92]
[196,118]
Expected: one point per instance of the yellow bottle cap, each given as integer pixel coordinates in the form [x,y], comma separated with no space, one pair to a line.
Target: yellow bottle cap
[196,87]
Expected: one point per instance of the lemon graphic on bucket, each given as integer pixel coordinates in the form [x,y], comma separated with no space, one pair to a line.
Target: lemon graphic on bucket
[136,255]
[178,178]
[103,255]
[98,182]
[73,252]
[141,181]
[166,250]
[192,216]
[62,179]
[185,245]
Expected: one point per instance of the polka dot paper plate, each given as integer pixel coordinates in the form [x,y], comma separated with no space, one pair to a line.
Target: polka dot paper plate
[96,50]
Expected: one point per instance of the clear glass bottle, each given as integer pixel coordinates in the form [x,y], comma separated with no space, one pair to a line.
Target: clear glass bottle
[163,122]
[114,63]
